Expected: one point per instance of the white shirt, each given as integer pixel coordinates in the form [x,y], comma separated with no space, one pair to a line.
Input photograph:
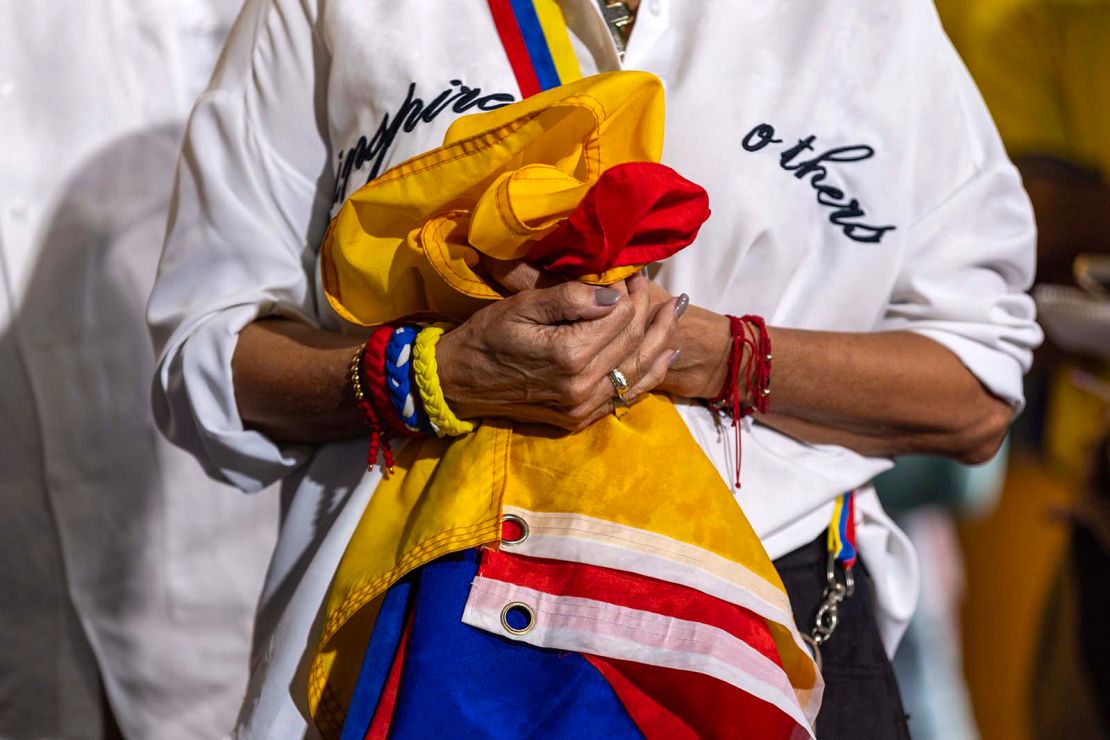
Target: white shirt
[119,559]
[932,233]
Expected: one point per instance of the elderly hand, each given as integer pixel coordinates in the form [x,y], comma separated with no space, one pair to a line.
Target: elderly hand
[543,355]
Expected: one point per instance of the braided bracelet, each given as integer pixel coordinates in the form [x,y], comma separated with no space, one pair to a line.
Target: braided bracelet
[376,385]
[443,421]
[398,371]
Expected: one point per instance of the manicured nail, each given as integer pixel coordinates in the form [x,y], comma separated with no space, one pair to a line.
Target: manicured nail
[606,296]
[674,357]
[681,306]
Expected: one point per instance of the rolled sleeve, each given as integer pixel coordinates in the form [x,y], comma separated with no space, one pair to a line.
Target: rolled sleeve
[970,262]
[250,205]
[194,404]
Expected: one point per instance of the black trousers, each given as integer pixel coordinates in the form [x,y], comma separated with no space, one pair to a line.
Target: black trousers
[861,695]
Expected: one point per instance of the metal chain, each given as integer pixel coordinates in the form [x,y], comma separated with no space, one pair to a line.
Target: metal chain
[828,615]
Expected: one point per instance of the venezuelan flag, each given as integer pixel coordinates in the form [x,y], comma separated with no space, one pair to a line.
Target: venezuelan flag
[534,35]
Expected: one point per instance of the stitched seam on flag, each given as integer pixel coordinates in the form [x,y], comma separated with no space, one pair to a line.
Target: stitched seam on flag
[480,584]
[782,615]
[509,217]
[646,540]
[466,147]
[437,238]
[421,554]
[364,591]
[322,699]
[501,446]
[786,695]
[487,139]
[417,556]
[671,553]
[505,211]
[673,549]
[377,585]
[529,177]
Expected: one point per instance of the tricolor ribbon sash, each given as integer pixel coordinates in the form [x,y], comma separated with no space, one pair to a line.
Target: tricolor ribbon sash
[534,36]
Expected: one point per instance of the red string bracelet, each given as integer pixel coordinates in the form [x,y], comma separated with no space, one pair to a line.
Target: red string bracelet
[750,333]
[366,409]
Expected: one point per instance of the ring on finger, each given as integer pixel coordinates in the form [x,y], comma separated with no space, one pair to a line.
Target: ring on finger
[620,383]
[620,407]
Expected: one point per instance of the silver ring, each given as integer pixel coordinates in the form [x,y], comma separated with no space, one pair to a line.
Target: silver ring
[620,383]
[620,407]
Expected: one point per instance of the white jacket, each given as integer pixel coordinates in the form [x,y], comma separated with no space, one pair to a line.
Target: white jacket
[856,182]
[119,558]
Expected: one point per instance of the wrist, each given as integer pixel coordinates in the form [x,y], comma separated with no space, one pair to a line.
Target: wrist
[747,385]
[450,353]
[701,368]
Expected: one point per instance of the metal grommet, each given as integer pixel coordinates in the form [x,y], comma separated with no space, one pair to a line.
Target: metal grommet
[515,523]
[518,608]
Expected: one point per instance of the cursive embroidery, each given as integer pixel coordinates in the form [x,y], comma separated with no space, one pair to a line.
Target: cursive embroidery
[846,210]
[412,112]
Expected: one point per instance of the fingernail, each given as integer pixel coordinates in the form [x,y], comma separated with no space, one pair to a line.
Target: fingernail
[606,296]
[681,306]
[674,357]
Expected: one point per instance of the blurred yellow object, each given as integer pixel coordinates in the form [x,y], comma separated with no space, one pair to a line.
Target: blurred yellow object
[1044,69]
[1076,422]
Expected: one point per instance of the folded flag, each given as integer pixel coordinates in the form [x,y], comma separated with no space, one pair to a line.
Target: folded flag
[620,544]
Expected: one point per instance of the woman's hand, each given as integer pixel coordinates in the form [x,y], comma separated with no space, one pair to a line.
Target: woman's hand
[704,341]
[543,355]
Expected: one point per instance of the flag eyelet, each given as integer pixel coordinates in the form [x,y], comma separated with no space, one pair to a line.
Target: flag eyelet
[517,618]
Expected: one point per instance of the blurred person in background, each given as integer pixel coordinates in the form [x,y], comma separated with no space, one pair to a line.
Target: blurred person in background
[1044,69]
[128,580]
